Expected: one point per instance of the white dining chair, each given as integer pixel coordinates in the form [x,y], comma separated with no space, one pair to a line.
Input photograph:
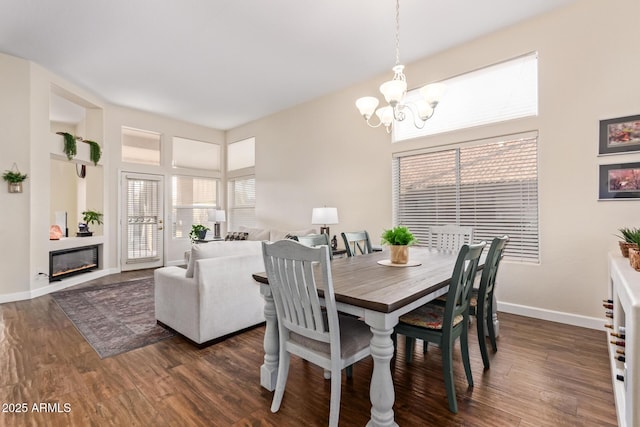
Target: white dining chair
[305,329]
[449,237]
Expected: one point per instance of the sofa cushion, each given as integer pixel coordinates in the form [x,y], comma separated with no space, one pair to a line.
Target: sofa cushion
[280,235]
[218,249]
[255,233]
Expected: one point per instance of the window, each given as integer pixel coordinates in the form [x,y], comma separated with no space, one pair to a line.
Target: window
[241,154]
[242,202]
[192,198]
[500,92]
[140,146]
[189,153]
[241,194]
[491,186]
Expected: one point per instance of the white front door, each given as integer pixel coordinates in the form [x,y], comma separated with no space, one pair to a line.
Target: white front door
[142,219]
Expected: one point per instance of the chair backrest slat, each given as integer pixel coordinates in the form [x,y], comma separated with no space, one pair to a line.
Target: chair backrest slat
[294,271]
[357,243]
[490,270]
[314,240]
[449,237]
[461,284]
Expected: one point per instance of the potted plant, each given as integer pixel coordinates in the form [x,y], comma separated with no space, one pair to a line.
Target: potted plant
[88,217]
[198,232]
[634,251]
[14,179]
[627,240]
[70,148]
[399,239]
[95,151]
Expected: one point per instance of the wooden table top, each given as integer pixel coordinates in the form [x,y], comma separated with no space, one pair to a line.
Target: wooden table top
[362,282]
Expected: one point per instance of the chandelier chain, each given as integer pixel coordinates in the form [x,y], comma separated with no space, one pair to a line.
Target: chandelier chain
[397,32]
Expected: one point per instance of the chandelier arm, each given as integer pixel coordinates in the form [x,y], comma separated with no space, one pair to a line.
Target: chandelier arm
[372,125]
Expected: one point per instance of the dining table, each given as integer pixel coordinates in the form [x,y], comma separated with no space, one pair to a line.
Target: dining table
[370,287]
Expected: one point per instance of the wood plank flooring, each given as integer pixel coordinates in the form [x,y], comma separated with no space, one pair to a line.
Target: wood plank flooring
[544,374]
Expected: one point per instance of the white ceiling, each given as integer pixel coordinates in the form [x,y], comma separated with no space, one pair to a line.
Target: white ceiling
[223,63]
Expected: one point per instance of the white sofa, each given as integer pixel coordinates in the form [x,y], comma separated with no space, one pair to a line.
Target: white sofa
[216,295]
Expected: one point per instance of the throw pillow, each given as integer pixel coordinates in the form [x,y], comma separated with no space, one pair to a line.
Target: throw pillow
[237,235]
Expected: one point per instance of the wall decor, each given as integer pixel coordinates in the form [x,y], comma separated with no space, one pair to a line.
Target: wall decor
[620,181]
[620,135]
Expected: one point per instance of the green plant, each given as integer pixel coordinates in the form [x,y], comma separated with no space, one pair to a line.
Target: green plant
[70,148]
[629,235]
[94,151]
[196,230]
[14,177]
[634,237]
[399,235]
[92,217]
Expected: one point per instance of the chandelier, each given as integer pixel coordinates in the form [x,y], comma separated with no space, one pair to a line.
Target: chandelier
[394,92]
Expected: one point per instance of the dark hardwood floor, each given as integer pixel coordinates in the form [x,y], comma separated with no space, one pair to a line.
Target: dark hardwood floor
[544,374]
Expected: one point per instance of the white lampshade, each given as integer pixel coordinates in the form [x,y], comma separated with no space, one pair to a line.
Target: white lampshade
[424,109]
[367,105]
[324,216]
[217,215]
[393,91]
[385,114]
[432,93]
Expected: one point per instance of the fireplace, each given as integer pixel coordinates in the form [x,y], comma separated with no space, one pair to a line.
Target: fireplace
[68,262]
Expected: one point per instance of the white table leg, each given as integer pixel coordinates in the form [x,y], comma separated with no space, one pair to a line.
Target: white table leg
[381,392]
[269,369]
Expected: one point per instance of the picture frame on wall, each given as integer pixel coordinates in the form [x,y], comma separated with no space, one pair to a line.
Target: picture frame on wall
[620,135]
[620,181]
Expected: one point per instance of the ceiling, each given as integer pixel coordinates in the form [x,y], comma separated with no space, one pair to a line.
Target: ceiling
[223,63]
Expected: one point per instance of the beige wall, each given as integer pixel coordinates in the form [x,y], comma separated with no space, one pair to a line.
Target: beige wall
[14,147]
[322,153]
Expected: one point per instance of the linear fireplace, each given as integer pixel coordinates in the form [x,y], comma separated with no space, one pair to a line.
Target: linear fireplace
[68,262]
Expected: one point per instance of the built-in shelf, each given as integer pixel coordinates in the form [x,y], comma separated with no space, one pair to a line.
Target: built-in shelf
[625,293]
[75,242]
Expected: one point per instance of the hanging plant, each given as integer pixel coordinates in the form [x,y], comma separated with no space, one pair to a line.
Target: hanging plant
[14,179]
[94,151]
[70,148]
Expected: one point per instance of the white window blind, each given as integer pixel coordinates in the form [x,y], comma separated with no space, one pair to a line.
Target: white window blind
[492,187]
[142,219]
[192,198]
[189,153]
[140,146]
[242,202]
[497,93]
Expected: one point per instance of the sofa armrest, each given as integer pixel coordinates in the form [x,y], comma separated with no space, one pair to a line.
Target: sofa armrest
[229,297]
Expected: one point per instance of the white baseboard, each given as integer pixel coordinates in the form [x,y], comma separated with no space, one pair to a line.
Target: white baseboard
[57,286]
[553,316]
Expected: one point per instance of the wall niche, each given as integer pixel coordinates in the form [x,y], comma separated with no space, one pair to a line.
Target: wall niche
[76,184]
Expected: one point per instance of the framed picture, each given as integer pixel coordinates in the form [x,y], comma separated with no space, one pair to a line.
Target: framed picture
[620,181]
[621,135]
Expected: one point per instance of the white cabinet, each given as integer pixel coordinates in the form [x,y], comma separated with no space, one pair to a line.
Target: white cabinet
[625,293]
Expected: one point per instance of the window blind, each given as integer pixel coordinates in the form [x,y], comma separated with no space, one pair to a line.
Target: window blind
[492,187]
[242,202]
[192,198]
[500,92]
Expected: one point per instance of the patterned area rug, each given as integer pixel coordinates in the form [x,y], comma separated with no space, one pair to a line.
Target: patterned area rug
[114,318]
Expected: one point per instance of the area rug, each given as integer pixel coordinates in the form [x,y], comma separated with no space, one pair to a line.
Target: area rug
[114,318]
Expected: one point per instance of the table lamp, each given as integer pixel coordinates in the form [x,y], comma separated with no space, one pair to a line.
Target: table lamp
[217,216]
[325,217]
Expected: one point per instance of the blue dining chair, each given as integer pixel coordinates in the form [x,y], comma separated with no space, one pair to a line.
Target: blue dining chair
[443,324]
